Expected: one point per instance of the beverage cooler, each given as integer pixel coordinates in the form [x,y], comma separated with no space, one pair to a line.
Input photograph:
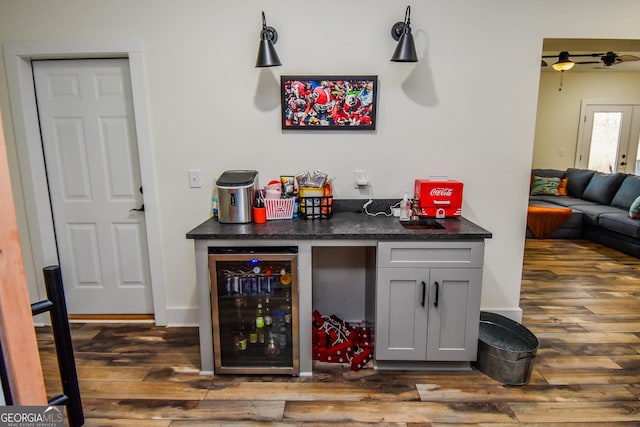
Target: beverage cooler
[254,302]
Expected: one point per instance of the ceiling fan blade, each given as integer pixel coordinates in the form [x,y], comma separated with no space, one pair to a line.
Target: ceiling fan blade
[589,62]
[543,63]
[627,58]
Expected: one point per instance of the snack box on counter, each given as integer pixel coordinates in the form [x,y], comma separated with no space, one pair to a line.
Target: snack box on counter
[438,198]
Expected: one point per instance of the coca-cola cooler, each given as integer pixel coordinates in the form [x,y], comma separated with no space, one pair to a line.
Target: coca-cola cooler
[438,198]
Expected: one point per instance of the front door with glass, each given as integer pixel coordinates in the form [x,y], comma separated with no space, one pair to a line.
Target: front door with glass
[608,138]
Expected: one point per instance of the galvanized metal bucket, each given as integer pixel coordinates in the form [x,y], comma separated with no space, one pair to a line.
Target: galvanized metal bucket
[506,349]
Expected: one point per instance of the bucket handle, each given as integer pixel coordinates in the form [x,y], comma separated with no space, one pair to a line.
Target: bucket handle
[526,357]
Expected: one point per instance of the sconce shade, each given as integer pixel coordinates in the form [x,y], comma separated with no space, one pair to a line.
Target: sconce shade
[267,56]
[406,48]
[563,63]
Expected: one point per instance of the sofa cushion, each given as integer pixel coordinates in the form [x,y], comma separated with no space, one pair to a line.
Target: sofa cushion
[592,212]
[556,173]
[566,201]
[602,187]
[545,185]
[578,181]
[620,223]
[629,190]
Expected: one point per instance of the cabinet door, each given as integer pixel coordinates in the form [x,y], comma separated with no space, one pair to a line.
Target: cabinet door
[454,312]
[401,315]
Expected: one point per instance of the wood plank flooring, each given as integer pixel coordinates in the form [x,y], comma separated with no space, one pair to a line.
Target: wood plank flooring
[580,299]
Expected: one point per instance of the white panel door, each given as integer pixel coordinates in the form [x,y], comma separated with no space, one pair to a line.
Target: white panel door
[91,156]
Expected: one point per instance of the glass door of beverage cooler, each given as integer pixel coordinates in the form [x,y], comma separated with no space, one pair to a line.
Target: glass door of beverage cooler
[254,301]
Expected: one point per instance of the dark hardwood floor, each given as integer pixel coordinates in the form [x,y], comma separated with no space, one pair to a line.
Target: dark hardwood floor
[580,299]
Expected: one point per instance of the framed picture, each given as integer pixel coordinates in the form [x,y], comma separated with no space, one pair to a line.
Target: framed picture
[329,102]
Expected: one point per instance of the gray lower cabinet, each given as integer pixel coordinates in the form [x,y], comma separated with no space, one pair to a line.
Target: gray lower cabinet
[428,301]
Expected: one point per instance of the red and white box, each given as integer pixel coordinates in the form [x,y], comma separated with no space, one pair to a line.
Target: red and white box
[439,198]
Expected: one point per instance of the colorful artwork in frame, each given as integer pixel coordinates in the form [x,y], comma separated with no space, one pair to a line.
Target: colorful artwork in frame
[329,102]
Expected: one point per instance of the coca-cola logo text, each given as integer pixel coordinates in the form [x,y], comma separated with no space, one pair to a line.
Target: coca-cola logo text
[441,192]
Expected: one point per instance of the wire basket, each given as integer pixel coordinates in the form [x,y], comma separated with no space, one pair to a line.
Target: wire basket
[279,208]
[316,207]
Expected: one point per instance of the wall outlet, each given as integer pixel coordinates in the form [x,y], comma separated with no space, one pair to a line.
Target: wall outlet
[360,178]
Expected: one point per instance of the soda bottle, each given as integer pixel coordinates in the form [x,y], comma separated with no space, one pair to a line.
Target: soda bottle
[240,337]
[260,324]
[287,309]
[253,335]
[268,319]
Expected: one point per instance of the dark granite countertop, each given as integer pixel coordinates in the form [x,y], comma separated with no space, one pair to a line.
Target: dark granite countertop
[348,222]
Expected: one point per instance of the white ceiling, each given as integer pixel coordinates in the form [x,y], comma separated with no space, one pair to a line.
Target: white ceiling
[588,46]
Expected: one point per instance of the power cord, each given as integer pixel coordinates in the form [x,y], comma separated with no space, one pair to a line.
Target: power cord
[368,203]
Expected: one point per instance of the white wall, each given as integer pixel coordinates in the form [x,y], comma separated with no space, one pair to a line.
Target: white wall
[457,112]
[558,111]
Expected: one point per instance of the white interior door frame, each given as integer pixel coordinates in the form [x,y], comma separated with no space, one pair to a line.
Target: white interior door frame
[18,56]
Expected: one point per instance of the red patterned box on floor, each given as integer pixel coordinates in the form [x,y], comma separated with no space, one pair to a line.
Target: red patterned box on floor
[335,341]
[439,199]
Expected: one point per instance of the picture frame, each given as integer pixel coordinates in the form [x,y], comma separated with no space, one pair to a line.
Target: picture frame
[329,102]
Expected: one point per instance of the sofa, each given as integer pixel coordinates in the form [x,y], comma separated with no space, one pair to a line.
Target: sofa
[604,208]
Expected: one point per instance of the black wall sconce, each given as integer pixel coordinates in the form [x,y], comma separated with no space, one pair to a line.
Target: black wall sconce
[406,48]
[267,56]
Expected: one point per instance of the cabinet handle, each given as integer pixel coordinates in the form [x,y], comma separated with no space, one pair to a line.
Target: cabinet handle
[435,303]
[424,293]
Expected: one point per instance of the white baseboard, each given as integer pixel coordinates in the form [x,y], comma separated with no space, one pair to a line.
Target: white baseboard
[512,313]
[176,317]
[182,317]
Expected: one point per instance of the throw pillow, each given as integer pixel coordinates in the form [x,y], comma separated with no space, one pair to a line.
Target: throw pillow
[543,185]
[634,210]
[562,188]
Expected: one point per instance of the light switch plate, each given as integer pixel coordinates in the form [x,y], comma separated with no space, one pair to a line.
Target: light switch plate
[194,178]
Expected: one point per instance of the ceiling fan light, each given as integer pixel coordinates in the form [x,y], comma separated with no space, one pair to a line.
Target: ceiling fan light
[563,66]
[564,63]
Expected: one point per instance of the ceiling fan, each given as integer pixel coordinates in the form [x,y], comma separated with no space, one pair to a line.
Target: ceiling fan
[608,59]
